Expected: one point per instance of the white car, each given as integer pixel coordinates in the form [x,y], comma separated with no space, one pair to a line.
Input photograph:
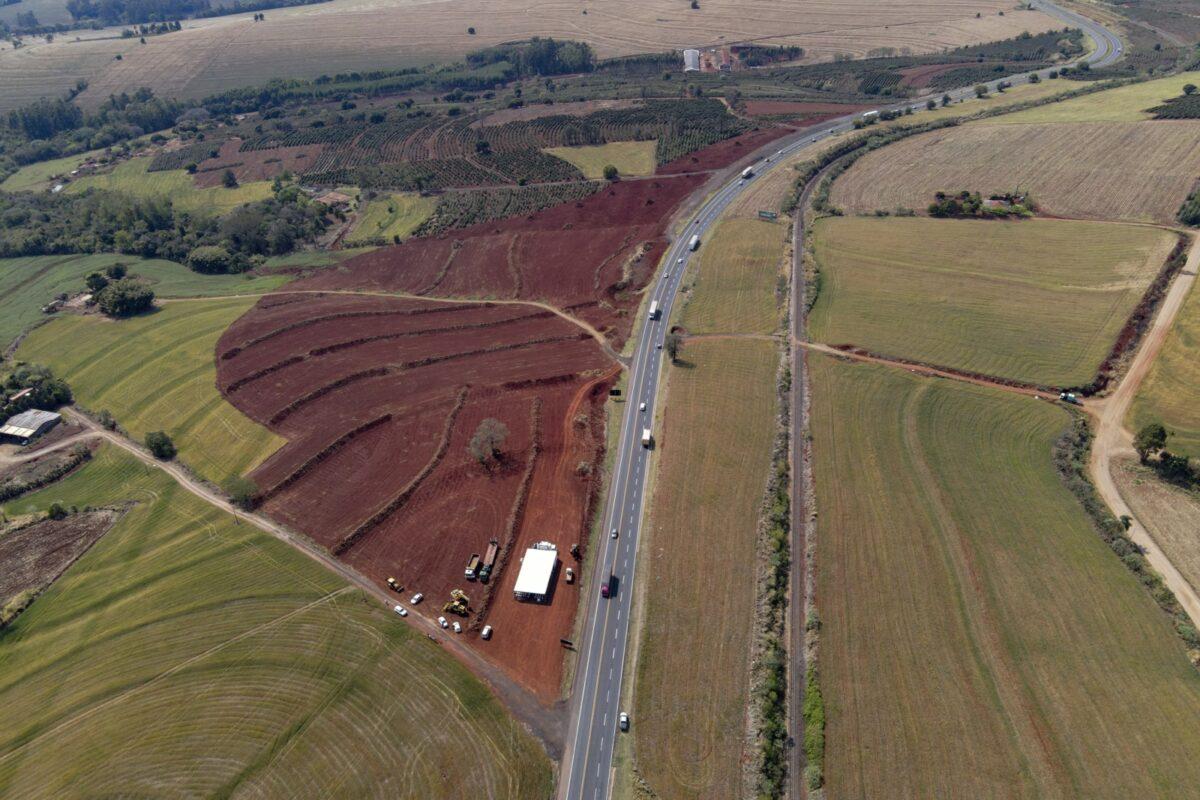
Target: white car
[614,533]
[486,633]
[741,183]
[623,721]
[443,623]
[680,261]
[401,610]
[457,628]
[642,408]
[416,598]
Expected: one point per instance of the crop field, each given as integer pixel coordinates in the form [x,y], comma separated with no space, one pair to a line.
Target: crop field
[1135,171]
[948,547]
[182,631]
[156,372]
[1125,104]
[1169,393]
[392,215]
[700,554]
[630,158]
[216,54]
[131,176]
[736,278]
[27,284]
[1171,515]
[1040,301]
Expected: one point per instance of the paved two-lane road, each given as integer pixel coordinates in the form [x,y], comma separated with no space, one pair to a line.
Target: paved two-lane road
[591,736]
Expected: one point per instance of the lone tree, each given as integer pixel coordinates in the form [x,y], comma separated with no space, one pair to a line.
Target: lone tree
[671,344]
[160,445]
[125,298]
[488,439]
[1189,88]
[610,172]
[229,180]
[96,282]
[242,492]
[1150,440]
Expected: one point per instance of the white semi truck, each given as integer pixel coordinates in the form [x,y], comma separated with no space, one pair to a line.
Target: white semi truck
[654,309]
[694,244]
[748,172]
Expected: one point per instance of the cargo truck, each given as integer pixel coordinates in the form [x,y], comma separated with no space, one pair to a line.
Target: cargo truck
[647,439]
[489,559]
[472,567]
[654,309]
[748,172]
[694,244]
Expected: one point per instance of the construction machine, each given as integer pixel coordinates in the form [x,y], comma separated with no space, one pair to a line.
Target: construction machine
[459,603]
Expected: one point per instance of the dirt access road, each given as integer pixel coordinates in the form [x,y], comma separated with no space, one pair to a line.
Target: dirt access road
[1113,440]
[547,725]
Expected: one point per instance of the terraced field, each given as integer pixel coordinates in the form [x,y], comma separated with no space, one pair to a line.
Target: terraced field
[27,284]
[978,638]
[1170,392]
[182,633]
[1136,171]
[700,554]
[392,215]
[1040,301]
[736,277]
[630,158]
[157,372]
[131,176]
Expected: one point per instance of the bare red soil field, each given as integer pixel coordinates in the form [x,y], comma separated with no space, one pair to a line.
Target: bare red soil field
[379,397]
[255,165]
[722,154]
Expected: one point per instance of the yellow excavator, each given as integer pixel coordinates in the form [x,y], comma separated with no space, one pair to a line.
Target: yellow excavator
[459,603]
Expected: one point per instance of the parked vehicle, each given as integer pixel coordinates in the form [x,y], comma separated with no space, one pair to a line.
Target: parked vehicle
[486,633]
[457,627]
[472,567]
[401,610]
[489,560]
[416,598]
[395,587]
[443,623]
[1069,397]
[623,721]
[570,575]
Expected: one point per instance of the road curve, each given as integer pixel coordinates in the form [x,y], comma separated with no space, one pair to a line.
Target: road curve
[595,700]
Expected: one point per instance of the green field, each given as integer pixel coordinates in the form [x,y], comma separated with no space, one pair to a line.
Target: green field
[978,638]
[736,276]
[630,158]
[392,215]
[1039,301]
[37,176]
[188,655]
[1172,387]
[701,563]
[27,284]
[1125,104]
[156,372]
[131,177]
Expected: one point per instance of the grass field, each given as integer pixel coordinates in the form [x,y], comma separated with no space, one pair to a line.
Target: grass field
[1172,388]
[156,372]
[187,655]
[630,158]
[1170,515]
[344,35]
[37,176]
[978,638]
[392,215]
[131,177]
[1039,301]
[701,565]
[27,284]
[1137,171]
[1126,104]
[735,279]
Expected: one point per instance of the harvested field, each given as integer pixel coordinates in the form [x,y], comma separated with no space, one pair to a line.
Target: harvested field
[27,284]
[182,631]
[693,674]
[1040,301]
[33,556]
[344,35]
[978,638]
[630,158]
[155,372]
[1170,391]
[176,185]
[1125,104]
[1171,515]
[1136,171]
[735,279]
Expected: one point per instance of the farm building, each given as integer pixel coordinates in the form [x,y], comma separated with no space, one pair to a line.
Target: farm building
[28,425]
[691,60]
[335,199]
[537,573]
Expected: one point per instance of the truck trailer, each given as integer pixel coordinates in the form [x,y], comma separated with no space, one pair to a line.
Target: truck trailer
[489,559]
[647,439]
[748,172]
[654,309]
[694,244]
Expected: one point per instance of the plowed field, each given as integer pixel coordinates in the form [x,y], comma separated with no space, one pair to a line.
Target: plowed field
[379,396]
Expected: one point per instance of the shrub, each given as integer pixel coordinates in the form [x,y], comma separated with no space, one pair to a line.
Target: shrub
[160,445]
[242,492]
[211,260]
[610,172]
[125,298]
[229,180]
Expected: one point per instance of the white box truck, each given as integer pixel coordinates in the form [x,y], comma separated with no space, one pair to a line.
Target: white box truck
[647,439]
[748,172]
[694,244]
[653,309]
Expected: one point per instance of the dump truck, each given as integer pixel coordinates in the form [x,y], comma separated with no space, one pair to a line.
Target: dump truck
[748,172]
[694,244]
[647,438]
[489,560]
[472,567]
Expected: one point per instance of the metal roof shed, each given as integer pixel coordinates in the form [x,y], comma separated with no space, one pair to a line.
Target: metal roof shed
[537,570]
[29,424]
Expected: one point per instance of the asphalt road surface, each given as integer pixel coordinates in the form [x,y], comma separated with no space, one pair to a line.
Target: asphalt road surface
[592,733]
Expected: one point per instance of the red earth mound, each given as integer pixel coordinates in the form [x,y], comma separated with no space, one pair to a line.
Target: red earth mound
[379,397]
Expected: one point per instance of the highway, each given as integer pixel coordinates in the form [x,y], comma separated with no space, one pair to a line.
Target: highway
[595,702]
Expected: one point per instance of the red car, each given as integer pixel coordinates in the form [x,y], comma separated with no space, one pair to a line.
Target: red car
[606,588]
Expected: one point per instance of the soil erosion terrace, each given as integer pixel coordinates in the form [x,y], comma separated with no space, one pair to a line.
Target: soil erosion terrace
[379,397]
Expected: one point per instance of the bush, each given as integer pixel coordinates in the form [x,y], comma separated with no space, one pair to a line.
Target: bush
[125,298]
[610,172]
[56,511]
[160,445]
[242,492]
[211,260]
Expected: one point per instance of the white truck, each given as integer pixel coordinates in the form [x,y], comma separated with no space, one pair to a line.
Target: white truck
[654,309]
[748,172]
[647,439]
[694,244]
